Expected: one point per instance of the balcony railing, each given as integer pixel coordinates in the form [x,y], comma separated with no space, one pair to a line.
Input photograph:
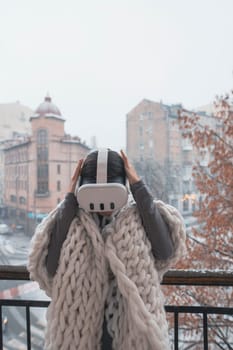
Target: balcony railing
[173,277]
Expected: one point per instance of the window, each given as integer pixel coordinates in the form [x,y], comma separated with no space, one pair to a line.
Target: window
[42,153]
[13,199]
[58,185]
[22,200]
[140,131]
[150,143]
[43,187]
[58,169]
[187,172]
[193,206]
[42,137]
[42,171]
[186,186]
[186,205]
[200,202]
[42,161]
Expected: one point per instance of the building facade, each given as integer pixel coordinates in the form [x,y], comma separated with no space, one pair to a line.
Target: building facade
[153,137]
[38,168]
[14,122]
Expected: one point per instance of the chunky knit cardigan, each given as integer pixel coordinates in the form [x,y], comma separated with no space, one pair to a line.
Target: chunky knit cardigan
[111,272]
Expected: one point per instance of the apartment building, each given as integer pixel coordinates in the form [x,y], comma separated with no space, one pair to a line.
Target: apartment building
[153,137]
[39,166]
[14,121]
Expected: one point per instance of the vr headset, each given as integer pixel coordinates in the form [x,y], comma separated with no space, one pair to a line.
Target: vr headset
[102,196]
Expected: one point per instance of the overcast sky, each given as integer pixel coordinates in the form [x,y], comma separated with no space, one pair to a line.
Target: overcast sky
[99,58]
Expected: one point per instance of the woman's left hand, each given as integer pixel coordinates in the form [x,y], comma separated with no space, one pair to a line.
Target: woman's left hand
[129,169]
[75,176]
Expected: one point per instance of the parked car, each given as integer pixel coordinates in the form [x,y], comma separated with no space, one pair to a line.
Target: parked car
[19,228]
[4,229]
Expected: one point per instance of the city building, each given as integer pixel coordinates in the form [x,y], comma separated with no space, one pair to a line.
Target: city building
[39,166]
[14,122]
[154,138]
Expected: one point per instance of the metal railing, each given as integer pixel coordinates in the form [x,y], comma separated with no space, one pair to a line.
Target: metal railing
[173,277]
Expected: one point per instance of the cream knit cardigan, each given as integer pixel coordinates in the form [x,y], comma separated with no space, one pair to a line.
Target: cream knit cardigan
[111,271]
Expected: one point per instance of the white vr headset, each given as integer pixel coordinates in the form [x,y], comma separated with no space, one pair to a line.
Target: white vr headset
[102,196]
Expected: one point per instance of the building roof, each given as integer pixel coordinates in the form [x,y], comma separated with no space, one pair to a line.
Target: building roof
[47,108]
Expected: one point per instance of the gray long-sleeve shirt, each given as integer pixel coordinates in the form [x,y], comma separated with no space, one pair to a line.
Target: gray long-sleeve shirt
[155,227]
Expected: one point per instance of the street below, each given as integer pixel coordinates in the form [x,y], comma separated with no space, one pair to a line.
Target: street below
[14,250]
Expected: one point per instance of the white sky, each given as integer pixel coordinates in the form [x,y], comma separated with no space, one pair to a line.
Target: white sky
[100,58]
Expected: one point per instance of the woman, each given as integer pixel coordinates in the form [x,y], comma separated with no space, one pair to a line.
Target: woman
[103,270]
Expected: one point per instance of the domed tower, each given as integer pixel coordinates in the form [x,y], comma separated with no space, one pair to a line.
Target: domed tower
[48,108]
[47,115]
[47,126]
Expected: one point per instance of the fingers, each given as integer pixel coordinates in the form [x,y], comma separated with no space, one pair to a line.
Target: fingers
[125,158]
[77,170]
[129,169]
[75,176]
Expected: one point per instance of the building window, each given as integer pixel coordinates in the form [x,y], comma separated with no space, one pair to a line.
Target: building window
[42,187]
[42,137]
[150,143]
[42,153]
[58,185]
[58,169]
[13,199]
[185,205]
[140,131]
[150,115]
[22,200]
[42,161]
[193,206]
[186,186]
[42,171]
[200,203]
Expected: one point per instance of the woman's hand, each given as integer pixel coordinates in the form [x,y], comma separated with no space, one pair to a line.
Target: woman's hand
[75,176]
[129,169]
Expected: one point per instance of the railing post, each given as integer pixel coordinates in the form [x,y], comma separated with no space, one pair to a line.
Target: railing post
[205,330]
[1,340]
[28,327]
[176,330]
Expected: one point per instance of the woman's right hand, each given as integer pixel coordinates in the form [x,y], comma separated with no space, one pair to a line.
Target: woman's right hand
[129,169]
[75,176]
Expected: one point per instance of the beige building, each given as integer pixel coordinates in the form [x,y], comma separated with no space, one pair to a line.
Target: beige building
[153,136]
[14,122]
[38,168]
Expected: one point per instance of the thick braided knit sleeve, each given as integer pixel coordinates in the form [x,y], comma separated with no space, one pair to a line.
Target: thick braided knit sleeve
[178,235]
[38,251]
[138,277]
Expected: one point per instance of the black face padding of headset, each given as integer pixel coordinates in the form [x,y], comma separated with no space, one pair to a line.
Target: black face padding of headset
[116,179]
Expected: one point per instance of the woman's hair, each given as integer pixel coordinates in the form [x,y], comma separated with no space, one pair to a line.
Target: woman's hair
[115,168]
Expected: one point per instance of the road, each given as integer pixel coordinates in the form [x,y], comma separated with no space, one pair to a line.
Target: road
[14,251]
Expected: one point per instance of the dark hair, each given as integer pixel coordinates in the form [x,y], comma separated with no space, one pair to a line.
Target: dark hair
[115,168]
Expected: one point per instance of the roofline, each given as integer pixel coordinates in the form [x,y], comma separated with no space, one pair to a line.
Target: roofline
[51,116]
[76,142]
[16,145]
